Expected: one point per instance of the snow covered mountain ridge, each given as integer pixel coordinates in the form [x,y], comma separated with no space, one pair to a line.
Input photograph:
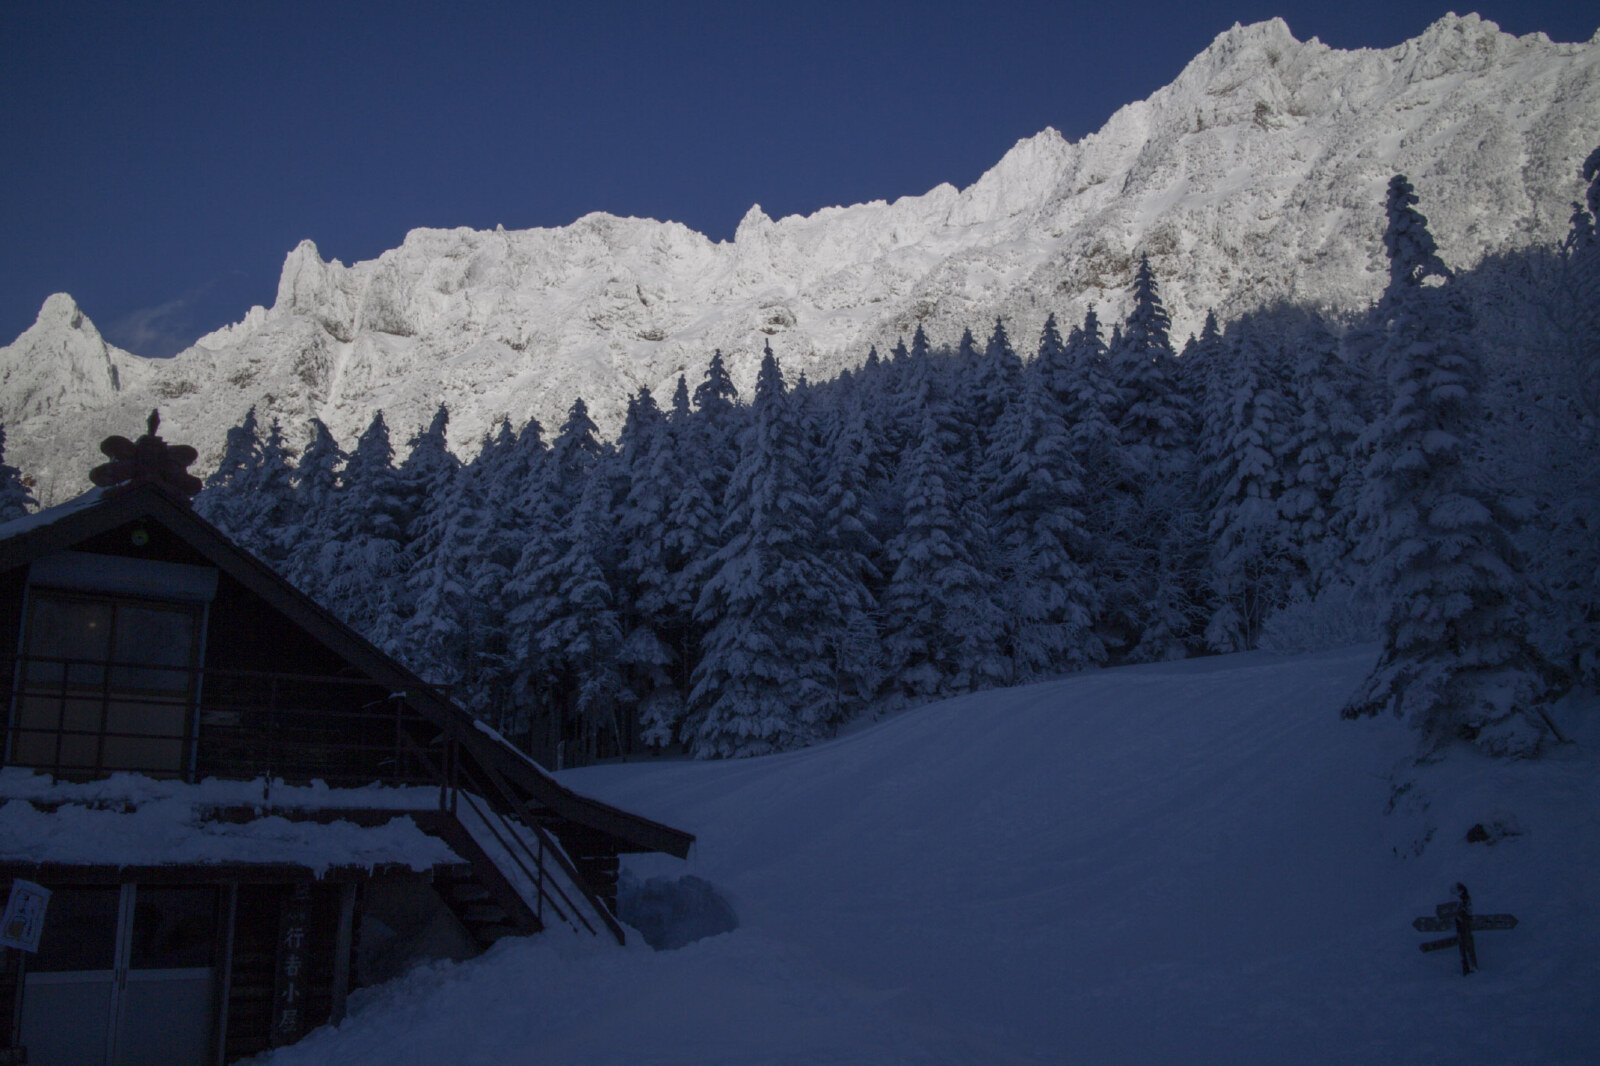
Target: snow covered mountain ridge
[1256,176]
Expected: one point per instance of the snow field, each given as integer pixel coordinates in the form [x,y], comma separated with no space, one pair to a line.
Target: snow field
[1187,862]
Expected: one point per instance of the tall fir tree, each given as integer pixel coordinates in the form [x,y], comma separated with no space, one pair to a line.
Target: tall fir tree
[578,634]
[1243,481]
[1155,546]
[1201,368]
[446,510]
[224,499]
[942,625]
[16,498]
[1050,361]
[708,451]
[270,512]
[777,613]
[649,620]
[315,485]
[1569,551]
[993,382]
[545,685]
[1456,662]
[425,474]
[362,569]
[502,482]
[1153,415]
[1321,481]
[1041,545]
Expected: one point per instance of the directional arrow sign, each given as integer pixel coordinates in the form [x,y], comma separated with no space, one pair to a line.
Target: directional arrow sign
[1494,921]
[1439,945]
[1479,921]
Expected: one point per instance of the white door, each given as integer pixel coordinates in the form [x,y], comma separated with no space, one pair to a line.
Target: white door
[124,976]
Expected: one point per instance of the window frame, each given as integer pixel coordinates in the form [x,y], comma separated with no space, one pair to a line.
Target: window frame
[105,689]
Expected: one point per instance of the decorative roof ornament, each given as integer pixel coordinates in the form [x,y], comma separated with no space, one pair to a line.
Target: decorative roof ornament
[134,462]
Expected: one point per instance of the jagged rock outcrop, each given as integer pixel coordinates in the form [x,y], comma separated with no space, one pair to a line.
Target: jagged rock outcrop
[59,364]
[1257,175]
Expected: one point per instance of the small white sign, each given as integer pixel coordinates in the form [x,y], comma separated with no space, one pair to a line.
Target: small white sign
[24,918]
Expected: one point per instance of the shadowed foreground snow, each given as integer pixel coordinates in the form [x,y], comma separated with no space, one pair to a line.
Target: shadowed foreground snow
[1187,862]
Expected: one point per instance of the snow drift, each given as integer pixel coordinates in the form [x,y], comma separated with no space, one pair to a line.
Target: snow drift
[1190,862]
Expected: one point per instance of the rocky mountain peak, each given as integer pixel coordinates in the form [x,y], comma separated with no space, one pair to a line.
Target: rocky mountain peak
[61,311]
[59,364]
[1258,175]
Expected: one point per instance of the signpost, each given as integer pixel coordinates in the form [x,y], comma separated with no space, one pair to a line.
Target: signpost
[21,927]
[23,922]
[1458,917]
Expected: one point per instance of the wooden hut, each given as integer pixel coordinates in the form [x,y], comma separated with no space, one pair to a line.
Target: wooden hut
[230,794]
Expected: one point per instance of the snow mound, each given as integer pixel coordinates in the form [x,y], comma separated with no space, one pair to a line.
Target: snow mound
[672,912]
[1186,862]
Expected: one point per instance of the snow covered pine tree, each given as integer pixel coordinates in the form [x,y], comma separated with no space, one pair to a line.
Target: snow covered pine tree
[1456,662]
[16,498]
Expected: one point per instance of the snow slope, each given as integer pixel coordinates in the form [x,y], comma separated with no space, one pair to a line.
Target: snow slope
[1187,862]
[1256,176]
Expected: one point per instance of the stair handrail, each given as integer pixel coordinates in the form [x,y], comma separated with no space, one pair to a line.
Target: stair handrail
[519,807]
[543,884]
[538,880]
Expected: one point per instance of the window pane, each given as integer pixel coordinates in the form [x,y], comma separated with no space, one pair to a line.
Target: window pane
[80,930]
[57,731]
[159,637]
[68,629]
[174,927]
[137,733]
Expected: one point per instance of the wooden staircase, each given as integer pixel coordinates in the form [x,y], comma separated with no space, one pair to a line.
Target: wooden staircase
[485,918]
[479,895]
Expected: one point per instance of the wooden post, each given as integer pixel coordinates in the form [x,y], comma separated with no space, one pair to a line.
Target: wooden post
[344,947]
[225,985]
[272,728]
[16,962]
[1469,950]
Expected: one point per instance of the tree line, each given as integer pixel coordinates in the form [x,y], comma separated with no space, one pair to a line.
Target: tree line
[744,577]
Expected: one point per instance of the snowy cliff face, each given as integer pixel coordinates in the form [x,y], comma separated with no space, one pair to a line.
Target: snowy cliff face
[1257,175]
[59,363]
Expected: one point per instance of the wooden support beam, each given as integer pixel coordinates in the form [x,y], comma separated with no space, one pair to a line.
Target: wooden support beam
[225,984]
[343,948]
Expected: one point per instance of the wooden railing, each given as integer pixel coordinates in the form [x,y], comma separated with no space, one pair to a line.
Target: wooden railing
[81,719]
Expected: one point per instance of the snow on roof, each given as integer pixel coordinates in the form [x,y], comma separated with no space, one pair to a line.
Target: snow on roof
[495,734]
[130,789]
[39,519]
[132,820]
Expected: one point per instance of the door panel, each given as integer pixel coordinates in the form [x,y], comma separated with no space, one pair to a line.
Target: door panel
[68,994]
[165,1018]
[129,962]
[66,1016]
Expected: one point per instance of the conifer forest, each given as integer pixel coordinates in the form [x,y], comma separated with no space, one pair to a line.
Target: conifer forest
[739,575]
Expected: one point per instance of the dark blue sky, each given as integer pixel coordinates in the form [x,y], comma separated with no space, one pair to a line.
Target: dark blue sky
[159,159]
